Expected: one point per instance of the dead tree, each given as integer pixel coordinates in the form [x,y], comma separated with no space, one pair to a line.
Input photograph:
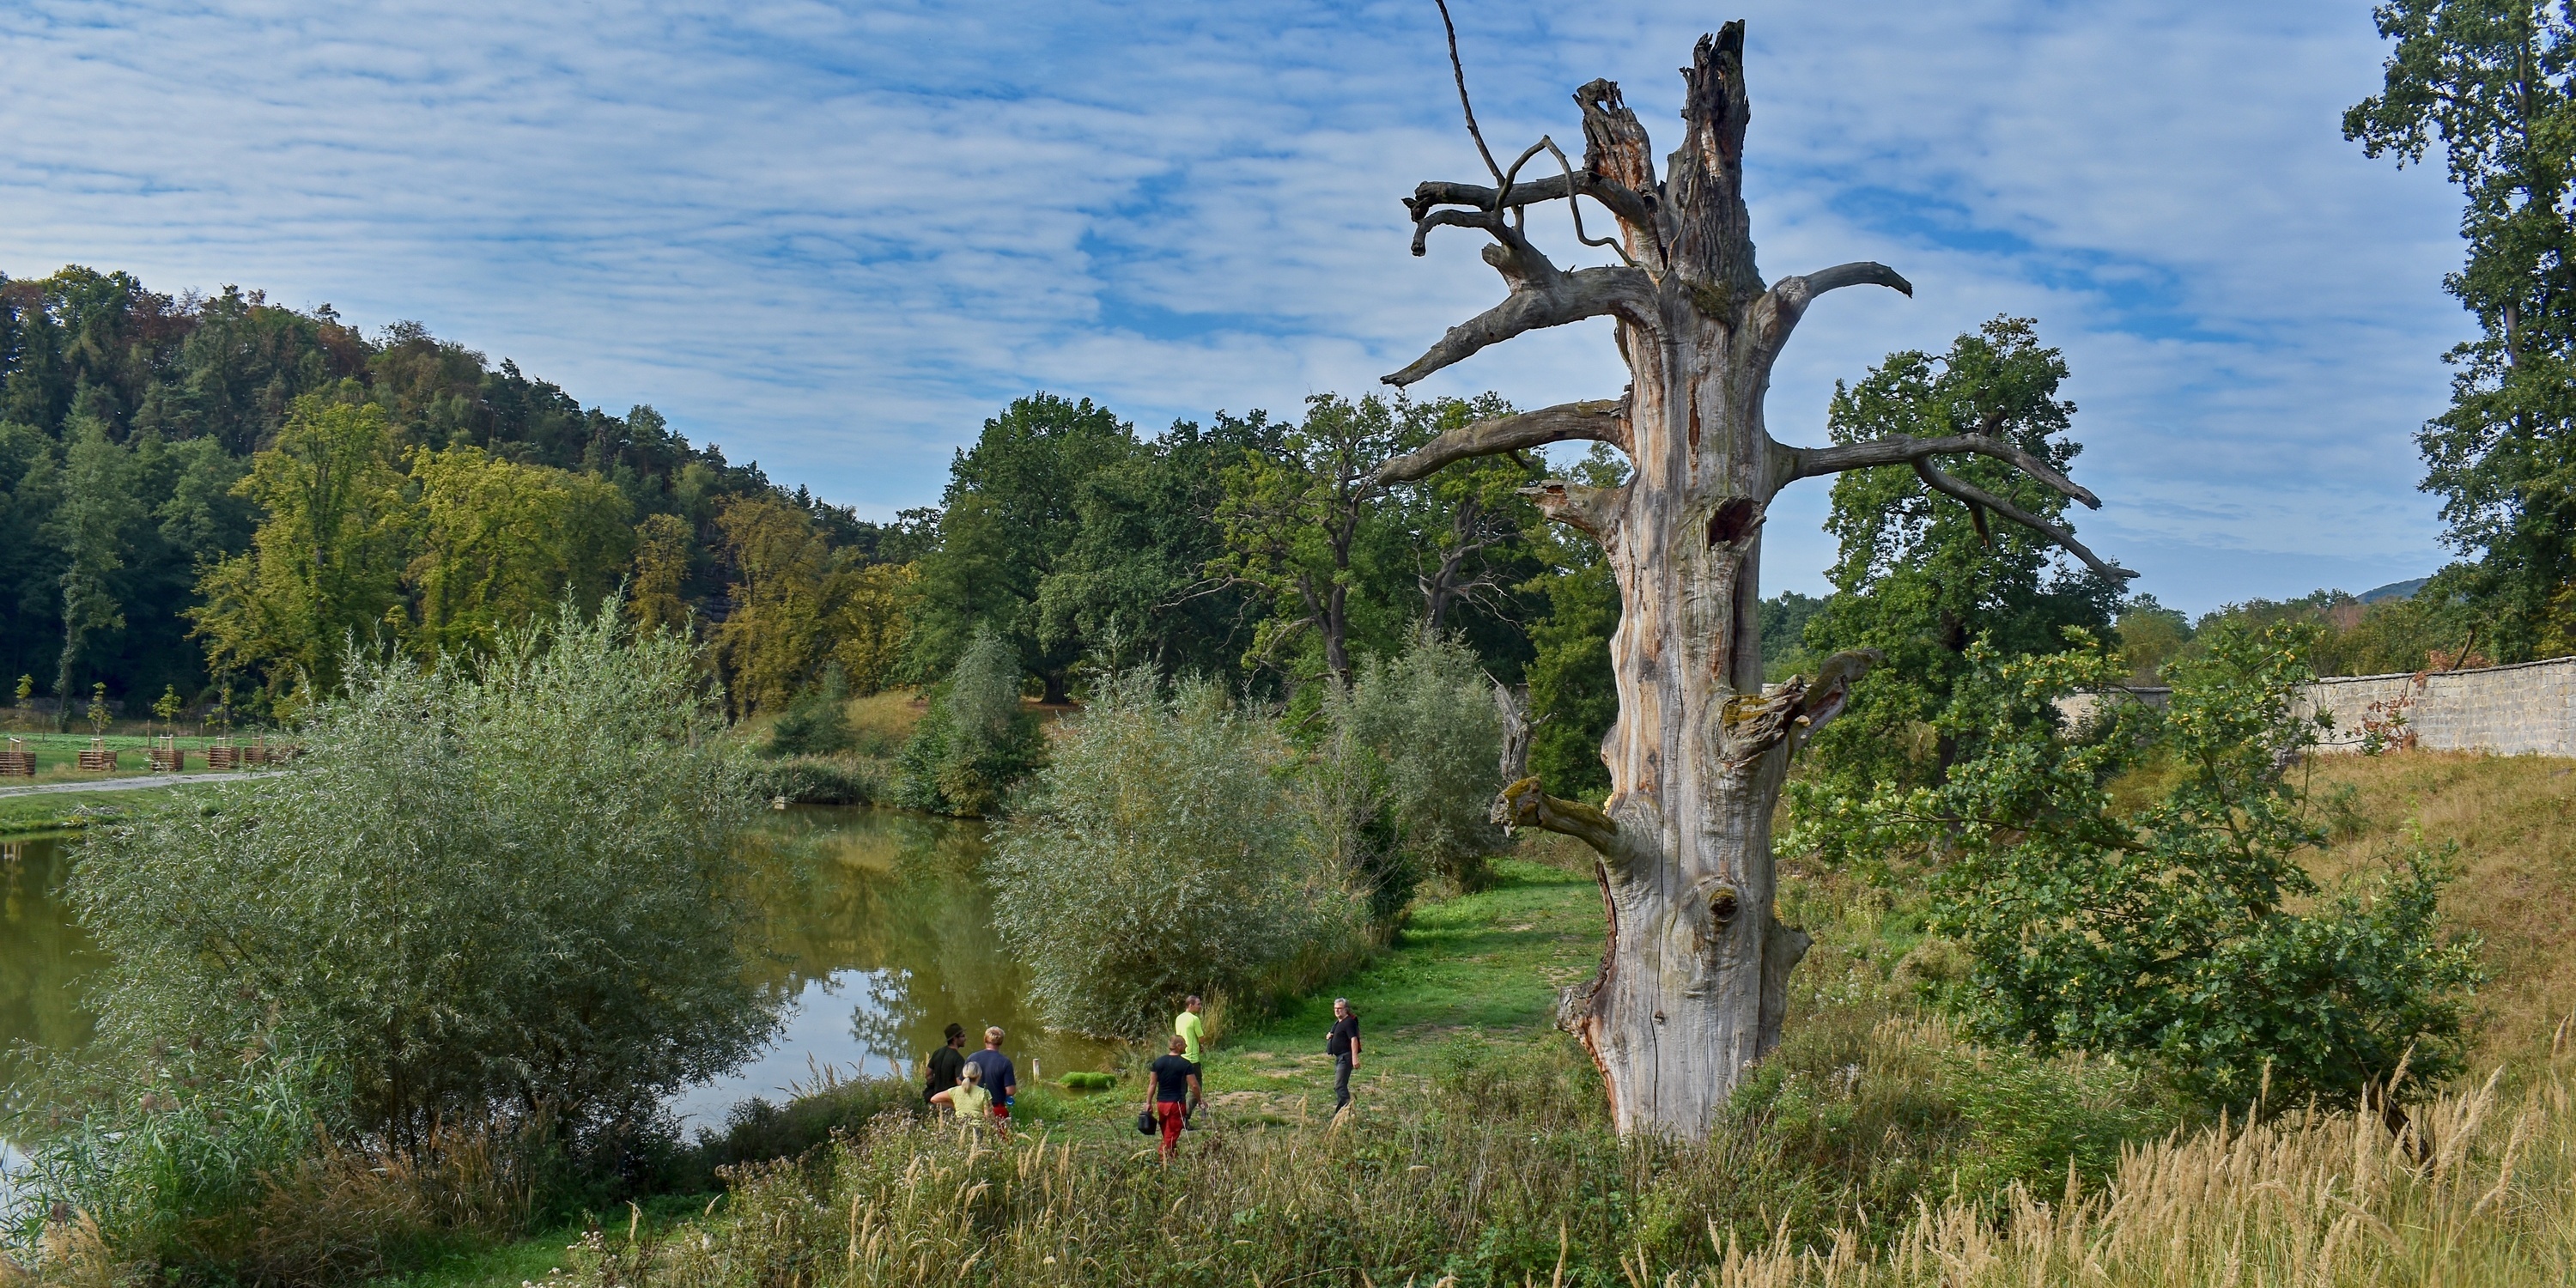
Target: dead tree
[1694,979]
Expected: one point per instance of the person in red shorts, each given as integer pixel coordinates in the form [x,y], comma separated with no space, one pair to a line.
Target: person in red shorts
[1175,1093]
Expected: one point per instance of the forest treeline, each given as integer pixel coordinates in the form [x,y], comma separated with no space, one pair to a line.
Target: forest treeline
[211,495]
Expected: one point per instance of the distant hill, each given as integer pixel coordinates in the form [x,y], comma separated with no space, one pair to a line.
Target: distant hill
[2394,590]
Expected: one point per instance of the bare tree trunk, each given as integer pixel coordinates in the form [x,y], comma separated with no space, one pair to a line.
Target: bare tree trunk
[1694,980]
[1511,704]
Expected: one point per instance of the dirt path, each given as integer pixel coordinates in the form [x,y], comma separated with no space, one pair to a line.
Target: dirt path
[135,784]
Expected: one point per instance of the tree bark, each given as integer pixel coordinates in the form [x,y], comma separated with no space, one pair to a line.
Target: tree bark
[1693,982]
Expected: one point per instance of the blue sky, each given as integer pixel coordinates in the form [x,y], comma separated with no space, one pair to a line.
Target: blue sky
[835,237]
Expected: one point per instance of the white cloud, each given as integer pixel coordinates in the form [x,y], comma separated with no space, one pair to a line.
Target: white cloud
[836,237]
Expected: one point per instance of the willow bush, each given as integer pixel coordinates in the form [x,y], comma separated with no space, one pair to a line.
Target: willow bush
[497,891]
[1163,854]
[1430,715]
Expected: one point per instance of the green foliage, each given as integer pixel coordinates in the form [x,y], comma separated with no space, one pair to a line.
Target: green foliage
[757,1131]
[127,418]
[2494,83]
[975,742]
[1307,527]
[1473,540]
[817,723]
[1920,577]
[1090,1080]
[98,712]
[92,525]
[1343,787]
[2185,930]
[2435,629]
[496,542]
[486,889]
[1574,698]
[2150,635]
[1429,717]
[1132,584]
[1784,635]
[174,1166]
[1164,856]
[1012,508]
[325,566]
[1399,773]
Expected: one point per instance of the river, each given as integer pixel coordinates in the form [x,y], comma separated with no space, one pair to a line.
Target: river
[877,924]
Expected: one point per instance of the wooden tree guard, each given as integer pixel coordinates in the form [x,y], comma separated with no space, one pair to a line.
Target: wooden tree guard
[165,756]
[257,752]
[96,758]
[223,755]
[17,761]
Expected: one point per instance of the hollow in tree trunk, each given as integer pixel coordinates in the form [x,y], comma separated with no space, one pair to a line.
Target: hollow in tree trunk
[1693,981]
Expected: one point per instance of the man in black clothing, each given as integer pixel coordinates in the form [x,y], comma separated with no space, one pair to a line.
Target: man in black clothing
[947,1063]
[1175,1094]
[1343,1044]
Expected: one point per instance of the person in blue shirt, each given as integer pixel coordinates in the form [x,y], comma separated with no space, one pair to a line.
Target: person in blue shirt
[1000,1079]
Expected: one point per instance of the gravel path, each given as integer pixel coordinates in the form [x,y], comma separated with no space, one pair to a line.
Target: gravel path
[135,784]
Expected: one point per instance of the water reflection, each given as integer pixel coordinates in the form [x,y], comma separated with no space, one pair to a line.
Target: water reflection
[880,926]
[875,922]
[44,957]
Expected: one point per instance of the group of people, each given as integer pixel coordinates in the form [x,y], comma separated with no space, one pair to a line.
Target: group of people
[978,1088]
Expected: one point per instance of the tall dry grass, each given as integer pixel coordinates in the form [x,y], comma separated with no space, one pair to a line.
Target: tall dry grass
[2479,1193]
[2514,818]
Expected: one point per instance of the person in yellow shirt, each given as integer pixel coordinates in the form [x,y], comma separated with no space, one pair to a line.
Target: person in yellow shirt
[1191,1029]
[973,1104]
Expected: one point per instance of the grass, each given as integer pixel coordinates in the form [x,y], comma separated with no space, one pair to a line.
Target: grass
[58,754]
[66,811]
[1874,1149]
[71,811]
[2514,819]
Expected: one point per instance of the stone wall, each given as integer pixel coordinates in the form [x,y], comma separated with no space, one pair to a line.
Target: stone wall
[2504,710]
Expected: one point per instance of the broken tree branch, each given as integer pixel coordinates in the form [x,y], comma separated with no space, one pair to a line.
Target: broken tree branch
[1776,314]
[1430,195]
[1524,804]
[1540,300]
[1796,463]
[1943,483]
[1591,510]
[1602,420]
[1459,70]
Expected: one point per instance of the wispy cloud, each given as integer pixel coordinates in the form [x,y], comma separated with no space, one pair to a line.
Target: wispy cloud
[835,237]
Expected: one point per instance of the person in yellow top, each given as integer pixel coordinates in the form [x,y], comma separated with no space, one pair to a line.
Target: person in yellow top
[973,1104]
[1189,1028]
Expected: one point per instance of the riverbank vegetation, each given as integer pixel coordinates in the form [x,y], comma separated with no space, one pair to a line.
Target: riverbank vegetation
[452,961]
[1880,1145]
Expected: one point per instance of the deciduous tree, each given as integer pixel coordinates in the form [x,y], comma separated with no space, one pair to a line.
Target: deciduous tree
[1921,575]
[2493,84]
[325,565]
